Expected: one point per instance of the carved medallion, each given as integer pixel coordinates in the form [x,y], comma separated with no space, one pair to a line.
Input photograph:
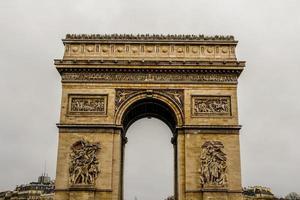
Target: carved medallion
[84,163]
[211,105]
[124,94]
[213,169]
[87,104]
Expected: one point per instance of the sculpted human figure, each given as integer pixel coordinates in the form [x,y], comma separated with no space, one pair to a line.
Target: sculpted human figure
[213,164]
[122,97]
[177,96]
[84,164]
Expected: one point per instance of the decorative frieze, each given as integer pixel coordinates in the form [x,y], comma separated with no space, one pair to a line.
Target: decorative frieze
[150,51]
[84,163]
[211,105]
[148,77]
[213,166]
[170,47]
[123,95]
[85,104]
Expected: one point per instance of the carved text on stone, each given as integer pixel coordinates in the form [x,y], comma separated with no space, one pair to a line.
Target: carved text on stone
[84,163]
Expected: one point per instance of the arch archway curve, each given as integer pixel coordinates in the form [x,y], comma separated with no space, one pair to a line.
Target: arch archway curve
[170,112]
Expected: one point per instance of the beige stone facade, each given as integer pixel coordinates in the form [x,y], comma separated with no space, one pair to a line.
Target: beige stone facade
[109,81]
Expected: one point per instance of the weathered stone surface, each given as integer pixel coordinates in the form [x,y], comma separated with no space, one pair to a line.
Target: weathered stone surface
[191,80]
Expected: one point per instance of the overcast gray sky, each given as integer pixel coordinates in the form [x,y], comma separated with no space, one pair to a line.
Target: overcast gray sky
[269,89]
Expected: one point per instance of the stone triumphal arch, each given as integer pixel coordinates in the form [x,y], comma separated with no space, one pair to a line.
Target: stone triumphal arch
[110,81]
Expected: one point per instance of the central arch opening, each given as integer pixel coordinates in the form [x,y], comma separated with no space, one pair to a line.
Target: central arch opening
[149,153]
[149,164]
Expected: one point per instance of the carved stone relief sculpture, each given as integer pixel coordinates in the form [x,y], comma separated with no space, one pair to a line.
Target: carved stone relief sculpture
[213,170]
[211,105]
[148,77]
[87,104]
[124,94]
[176,95]
[84,163]
[126,49]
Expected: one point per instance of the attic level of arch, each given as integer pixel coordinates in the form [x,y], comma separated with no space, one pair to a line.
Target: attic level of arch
[149,47]
[150,51]
[159,58]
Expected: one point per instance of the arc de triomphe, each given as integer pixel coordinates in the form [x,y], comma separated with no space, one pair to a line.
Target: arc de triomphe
[187,81]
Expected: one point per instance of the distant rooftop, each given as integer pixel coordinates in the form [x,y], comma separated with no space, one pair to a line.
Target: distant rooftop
[258,191]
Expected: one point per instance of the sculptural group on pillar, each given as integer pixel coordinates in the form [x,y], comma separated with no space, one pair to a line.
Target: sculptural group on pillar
[213,170]
[84,163]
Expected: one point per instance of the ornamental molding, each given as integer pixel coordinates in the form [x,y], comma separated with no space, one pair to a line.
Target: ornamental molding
[84,163]
[140,77]
[183,64]
[150,37]
[188,129]
[211,106]
[176,95]
[170,47]
[87,104]
[88,51]
[213,166]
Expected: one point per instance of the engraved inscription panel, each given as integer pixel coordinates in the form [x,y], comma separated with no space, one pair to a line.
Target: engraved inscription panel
[87,104]
[211,105]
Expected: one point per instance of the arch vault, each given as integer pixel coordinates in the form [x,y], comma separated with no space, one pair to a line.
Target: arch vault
[187,81]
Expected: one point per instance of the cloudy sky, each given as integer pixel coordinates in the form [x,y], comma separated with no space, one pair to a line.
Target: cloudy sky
[269,89]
